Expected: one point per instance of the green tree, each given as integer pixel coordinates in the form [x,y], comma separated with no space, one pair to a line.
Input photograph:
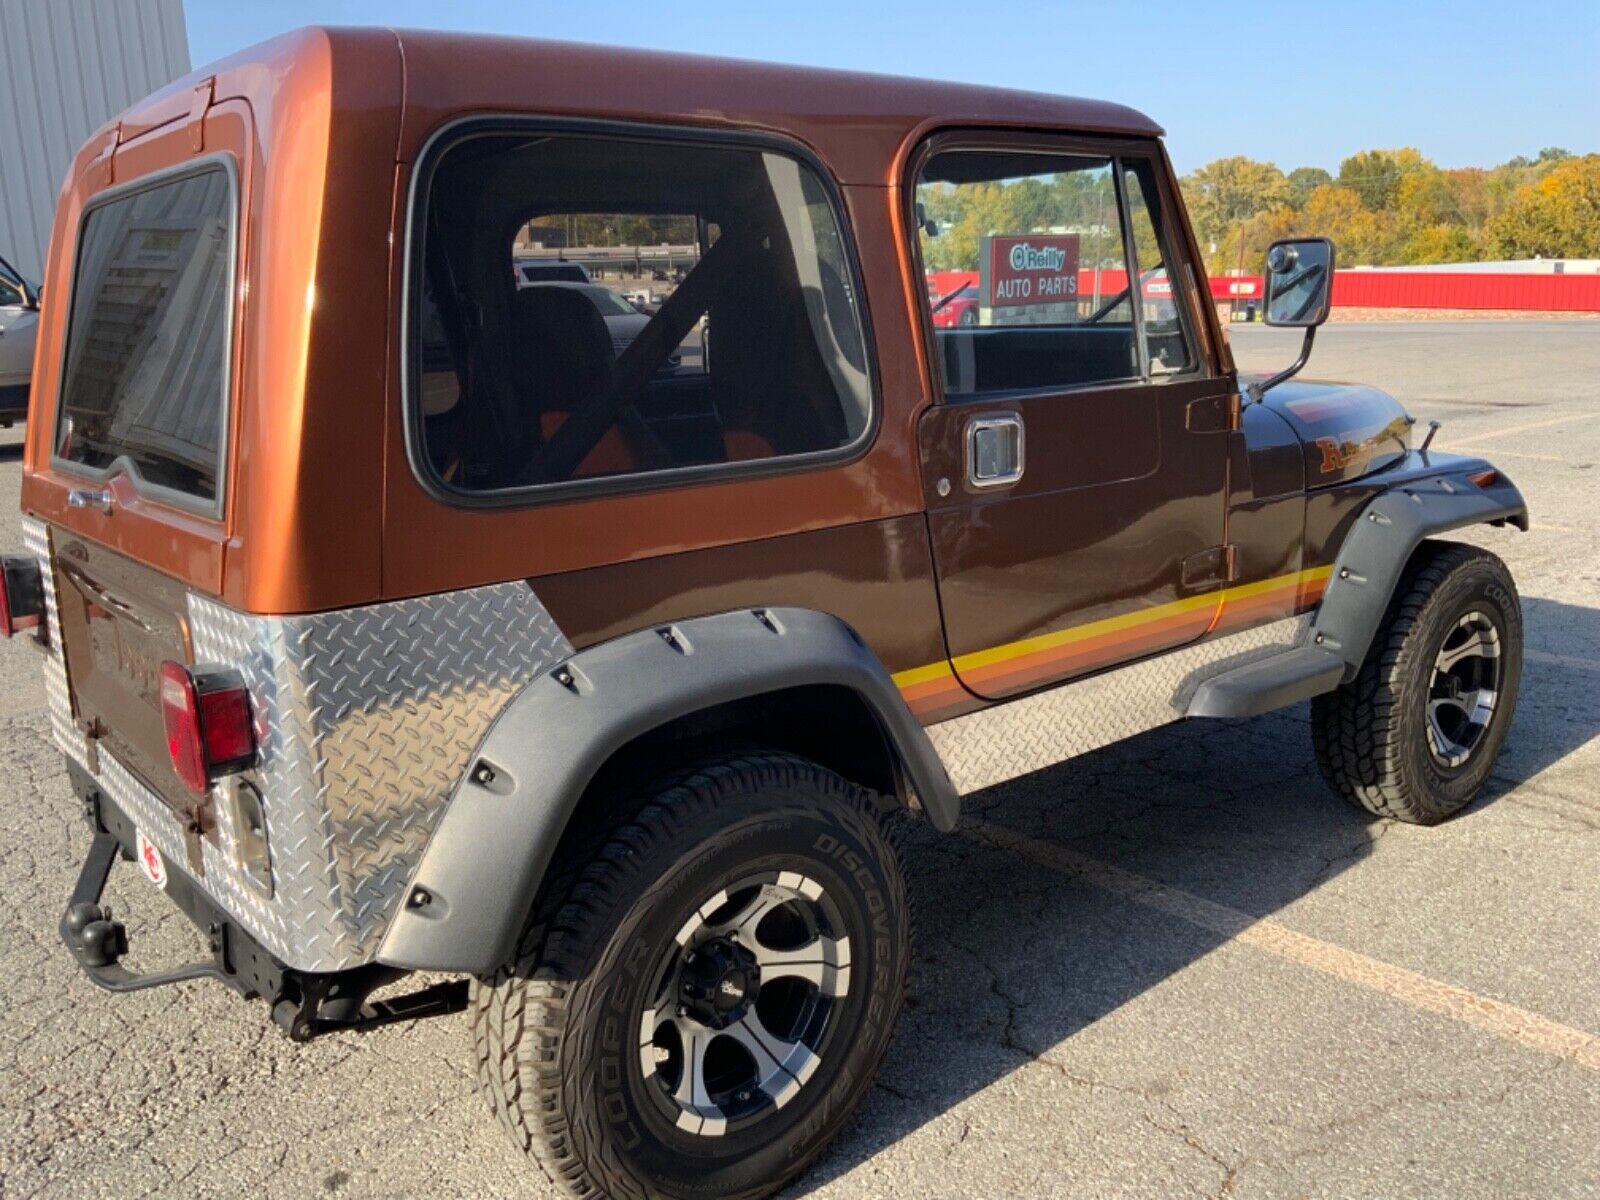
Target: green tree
[1375,175]
[1224,194]
[1305,180]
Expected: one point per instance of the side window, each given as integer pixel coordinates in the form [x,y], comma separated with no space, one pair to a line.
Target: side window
[1167,345]
[595,307]
[10,293]
[1027,273]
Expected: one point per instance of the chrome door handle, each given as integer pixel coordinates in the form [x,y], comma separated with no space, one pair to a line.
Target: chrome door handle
[994,450]
[88,498]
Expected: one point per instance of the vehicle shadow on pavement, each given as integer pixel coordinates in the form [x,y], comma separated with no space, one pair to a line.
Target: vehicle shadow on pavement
[1016,957]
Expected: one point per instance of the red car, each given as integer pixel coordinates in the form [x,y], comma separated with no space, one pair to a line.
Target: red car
[959,307]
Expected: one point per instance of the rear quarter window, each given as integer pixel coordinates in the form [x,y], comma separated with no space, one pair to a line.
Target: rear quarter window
[144,385]
[714,326]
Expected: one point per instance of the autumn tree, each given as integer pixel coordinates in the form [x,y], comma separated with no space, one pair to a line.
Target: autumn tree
[1557,217]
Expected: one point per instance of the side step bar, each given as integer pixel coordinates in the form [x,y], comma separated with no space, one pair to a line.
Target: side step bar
[1268,684]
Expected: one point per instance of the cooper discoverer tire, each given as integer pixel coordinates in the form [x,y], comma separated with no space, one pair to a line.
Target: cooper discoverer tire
[1416,733]
[634,1048]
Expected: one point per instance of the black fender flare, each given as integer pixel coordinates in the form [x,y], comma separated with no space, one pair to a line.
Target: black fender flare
[469,897]
[1385,536]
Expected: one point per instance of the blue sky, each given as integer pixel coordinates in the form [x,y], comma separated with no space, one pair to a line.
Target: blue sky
[1468,83]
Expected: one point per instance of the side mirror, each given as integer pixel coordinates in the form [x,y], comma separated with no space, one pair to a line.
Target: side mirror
[1299,282]
[1299,294]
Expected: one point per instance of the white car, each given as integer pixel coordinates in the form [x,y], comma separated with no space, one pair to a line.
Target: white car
[19,325]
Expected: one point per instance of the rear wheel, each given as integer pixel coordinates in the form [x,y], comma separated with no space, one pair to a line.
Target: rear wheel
[701,1007]
[1416,733]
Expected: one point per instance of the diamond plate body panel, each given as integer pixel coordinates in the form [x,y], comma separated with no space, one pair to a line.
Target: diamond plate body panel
[36,541]
[365,720]
[995,744]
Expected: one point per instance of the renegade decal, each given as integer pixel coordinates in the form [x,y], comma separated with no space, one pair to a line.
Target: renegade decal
[935,691]
[1352,451]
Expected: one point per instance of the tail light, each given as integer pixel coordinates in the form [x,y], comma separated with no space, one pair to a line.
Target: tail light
[207,719]
[21,593]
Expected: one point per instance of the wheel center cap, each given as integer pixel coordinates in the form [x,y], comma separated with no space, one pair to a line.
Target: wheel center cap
[720,980]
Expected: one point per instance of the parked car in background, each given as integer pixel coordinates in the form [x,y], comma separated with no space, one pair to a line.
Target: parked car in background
[954,308]
[623,318]
[550,270]
[19,322]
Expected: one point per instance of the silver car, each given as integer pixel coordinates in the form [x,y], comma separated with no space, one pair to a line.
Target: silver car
[19,325]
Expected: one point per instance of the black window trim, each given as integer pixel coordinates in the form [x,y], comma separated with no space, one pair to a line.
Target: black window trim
[460,129]
[1118,151]
[122,464]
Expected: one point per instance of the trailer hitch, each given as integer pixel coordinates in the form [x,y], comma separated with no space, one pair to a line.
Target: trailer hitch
[98,941]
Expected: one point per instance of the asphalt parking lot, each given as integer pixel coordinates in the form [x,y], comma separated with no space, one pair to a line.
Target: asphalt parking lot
[1175,967]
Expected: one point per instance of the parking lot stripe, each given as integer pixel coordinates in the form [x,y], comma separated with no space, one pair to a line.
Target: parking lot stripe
[1456,444]
[1505,1021]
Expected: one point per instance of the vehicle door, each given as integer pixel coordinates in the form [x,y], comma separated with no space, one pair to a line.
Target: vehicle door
[19,323]
[1076,455]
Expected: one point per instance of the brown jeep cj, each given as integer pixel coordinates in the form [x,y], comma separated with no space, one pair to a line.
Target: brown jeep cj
[408,605]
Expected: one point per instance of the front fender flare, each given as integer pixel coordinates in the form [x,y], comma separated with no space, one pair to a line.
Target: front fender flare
[485,862]
[1385,536]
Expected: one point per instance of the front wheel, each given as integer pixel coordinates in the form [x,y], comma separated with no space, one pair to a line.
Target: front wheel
[699,1012]
[1415,734]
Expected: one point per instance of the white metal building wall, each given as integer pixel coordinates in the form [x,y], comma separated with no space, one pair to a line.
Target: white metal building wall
[66,67]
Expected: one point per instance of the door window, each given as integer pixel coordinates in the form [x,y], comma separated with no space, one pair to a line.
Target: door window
[1029,283]
[1167,346]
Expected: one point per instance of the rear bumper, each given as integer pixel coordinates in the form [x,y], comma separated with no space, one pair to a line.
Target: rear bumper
[303,1004]
[236,959]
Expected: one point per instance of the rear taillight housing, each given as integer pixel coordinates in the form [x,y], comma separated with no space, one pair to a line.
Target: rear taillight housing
[21,594]
[207,719]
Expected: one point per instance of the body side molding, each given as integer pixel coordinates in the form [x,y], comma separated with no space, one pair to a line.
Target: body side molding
[478,877]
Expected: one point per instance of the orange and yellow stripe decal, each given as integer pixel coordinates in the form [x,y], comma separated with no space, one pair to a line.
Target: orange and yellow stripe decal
[939,687]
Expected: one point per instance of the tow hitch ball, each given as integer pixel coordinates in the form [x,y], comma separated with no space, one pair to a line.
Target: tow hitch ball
[99,940]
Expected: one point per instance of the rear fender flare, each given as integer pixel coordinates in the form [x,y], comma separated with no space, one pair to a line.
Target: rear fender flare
[470,895]
[1385,536]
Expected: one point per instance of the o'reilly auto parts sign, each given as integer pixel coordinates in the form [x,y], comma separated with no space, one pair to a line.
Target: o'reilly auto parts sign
[1029,268]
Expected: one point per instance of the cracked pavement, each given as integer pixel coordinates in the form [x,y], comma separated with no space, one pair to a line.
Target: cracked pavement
[1063,1038]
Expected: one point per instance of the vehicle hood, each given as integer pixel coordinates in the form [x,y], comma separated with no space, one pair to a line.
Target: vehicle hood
[1346,430]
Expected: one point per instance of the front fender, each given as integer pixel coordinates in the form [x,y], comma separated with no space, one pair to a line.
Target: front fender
[1390,528]
[484,864]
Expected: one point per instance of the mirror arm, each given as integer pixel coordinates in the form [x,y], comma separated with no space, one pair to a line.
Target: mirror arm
[1260,388]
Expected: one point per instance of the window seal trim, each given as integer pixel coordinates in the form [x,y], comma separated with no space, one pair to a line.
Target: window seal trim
[122,464]
[1116,149]
[451,133]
